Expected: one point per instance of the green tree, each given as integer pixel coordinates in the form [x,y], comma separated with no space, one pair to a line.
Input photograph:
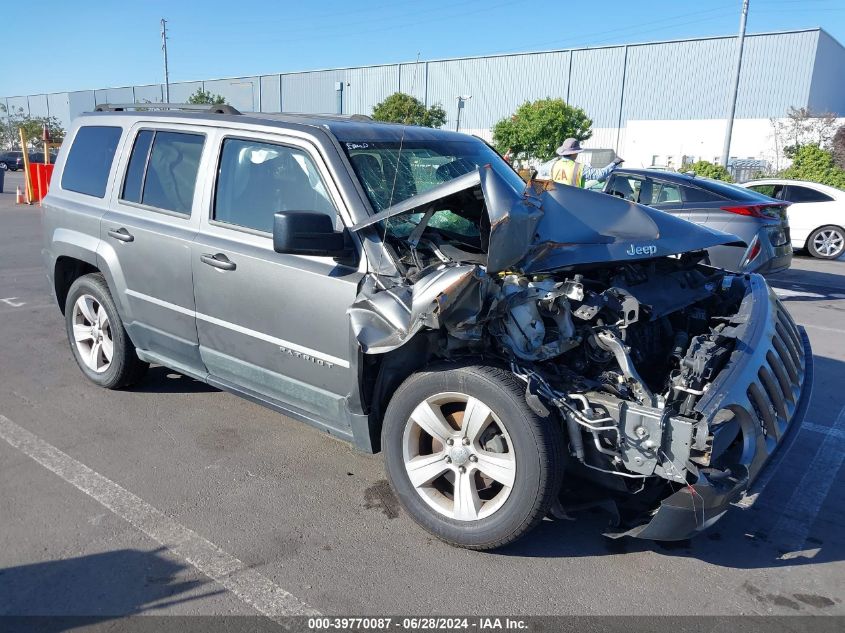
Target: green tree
[11,123]
[537,128]
[202,97]
[403,108]
[816,165]
[706,169]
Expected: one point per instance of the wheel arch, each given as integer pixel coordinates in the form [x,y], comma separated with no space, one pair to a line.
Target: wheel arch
[383,373]
[66,270]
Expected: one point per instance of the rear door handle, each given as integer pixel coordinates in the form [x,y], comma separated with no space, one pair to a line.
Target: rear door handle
[121,234]
[218,261]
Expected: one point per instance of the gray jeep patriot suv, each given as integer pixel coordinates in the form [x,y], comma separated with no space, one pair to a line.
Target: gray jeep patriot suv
[513,350]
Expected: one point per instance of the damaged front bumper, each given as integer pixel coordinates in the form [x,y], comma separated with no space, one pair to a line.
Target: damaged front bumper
[762,397]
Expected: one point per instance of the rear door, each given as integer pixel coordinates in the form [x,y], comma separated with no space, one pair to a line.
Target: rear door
[653,192]
[810,210]
[273,325]
[147,236]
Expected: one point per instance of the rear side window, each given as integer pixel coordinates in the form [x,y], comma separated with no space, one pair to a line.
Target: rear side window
[805,194]
[773,191]
[662,193]
[133,184]
[162,170]
[89,161]
[256,180]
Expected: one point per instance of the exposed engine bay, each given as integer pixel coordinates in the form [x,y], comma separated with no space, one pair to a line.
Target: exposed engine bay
[620,350]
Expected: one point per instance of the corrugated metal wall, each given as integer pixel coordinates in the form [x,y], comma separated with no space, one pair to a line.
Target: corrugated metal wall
[827,91]
[687,79]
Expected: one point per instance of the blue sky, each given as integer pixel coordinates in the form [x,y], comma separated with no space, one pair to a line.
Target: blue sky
[117,43]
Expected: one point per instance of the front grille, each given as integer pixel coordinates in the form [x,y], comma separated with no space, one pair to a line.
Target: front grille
[774,395]
[763,382]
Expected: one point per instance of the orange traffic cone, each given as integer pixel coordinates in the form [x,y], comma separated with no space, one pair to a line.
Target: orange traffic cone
[19,197]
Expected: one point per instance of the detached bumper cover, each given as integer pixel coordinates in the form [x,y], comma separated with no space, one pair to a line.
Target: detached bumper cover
[766,386]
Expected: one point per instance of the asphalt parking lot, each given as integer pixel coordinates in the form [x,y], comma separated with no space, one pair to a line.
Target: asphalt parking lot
[315,521]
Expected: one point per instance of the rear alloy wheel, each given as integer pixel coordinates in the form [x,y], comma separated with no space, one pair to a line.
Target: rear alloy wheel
[92,333]
[3,166]
[828,242]
[99,342]
[469,460]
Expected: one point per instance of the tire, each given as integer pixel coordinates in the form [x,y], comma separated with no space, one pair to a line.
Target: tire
[93,325]
[3,166]
[827,242]
[513,443]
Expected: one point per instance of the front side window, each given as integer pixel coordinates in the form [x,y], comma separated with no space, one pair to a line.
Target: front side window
[255,180]
[805,194]
[627,187]
[162,171]
[89,160]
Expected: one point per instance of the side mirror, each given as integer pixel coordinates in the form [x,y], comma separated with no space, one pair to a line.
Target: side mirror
[308,233]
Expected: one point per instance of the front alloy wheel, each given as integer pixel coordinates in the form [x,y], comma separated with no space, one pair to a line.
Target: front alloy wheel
[470,461]
[458,456]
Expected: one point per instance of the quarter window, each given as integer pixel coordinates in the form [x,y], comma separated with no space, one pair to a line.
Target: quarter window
[162,171]
[805,194]
[694,194]
[90,158]
[256,180]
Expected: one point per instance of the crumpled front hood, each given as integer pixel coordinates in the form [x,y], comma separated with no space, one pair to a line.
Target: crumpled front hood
[562,226]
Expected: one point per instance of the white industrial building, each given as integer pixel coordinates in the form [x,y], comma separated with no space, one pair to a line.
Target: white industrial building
[653,102]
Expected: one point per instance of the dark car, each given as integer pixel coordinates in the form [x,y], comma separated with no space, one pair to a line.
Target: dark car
[11,161]
[757,220]
[38,157]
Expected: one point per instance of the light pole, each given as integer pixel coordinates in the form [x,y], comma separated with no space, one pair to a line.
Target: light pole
[726,149]
[461,99]
[164,50]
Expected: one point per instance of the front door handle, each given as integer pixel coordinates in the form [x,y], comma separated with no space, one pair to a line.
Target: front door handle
[121,234]
[218,261]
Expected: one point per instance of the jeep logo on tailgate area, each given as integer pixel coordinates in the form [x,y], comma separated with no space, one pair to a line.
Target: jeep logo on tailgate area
[641,250]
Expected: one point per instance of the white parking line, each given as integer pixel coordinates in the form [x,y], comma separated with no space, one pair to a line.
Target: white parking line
[793,526]
[250,586]
[823,328]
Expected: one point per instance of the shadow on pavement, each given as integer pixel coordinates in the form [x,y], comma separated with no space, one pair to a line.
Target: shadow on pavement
[118,583]
[809,285]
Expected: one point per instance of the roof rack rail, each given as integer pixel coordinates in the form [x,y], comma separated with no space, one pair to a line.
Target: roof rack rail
[217,108]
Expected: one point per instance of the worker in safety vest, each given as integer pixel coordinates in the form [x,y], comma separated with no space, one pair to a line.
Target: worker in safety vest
[566,171]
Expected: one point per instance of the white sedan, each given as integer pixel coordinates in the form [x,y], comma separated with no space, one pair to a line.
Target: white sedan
[816,215]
